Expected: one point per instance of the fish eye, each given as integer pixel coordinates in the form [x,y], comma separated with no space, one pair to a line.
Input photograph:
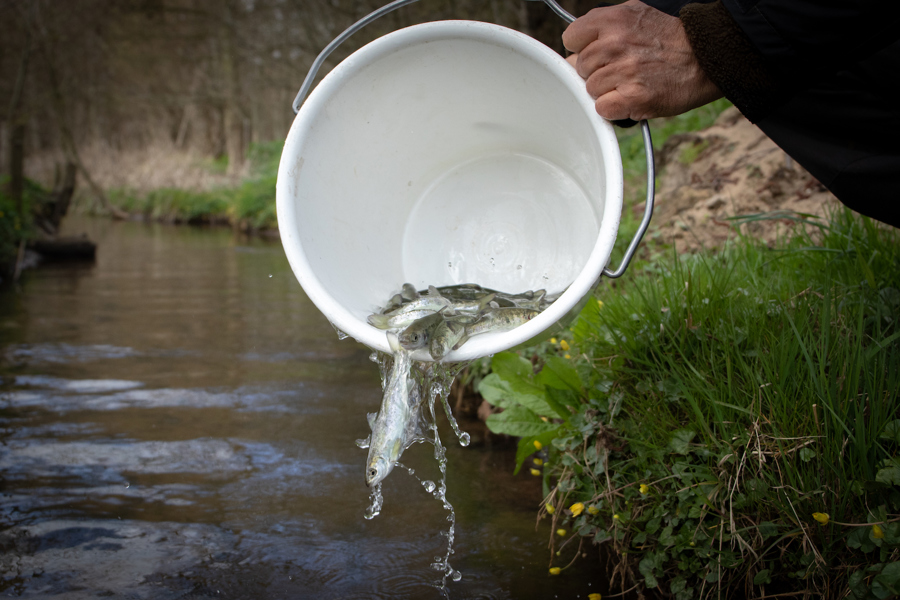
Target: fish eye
[373,472]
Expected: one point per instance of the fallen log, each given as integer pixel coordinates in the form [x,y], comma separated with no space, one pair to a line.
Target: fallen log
[65,248]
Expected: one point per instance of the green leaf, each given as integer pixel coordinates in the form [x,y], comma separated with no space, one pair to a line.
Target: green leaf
[646,568]
[889,475]
[496,391]
[887,583]
[518,421]
[807,454]
[559,400]
[681,440]
[506,393]
[859,539]
[762,578]
[560,374]
[768,529]
[510,366]
[857,585]
[891,431]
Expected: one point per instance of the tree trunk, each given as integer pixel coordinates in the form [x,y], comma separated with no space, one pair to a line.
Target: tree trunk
[232,121]
[17,131]
[70,149]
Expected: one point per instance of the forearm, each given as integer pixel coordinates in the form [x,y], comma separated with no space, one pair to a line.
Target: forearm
[730,60]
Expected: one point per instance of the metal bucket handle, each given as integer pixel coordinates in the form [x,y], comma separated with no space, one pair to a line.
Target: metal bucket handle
[645,128]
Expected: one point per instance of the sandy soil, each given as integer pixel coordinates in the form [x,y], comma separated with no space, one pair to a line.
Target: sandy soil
[727,170]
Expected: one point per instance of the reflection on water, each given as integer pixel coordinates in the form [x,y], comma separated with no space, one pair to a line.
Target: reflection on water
[178,421]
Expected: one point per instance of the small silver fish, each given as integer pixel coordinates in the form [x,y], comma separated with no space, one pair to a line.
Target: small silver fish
[408,292]
[464,291]
[532,300]
[391,427]
[501,319]
[418,333]
[447,336]
[434,303]
[399,320]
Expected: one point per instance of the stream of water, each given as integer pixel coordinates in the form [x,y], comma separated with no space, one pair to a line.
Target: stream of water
[177,420]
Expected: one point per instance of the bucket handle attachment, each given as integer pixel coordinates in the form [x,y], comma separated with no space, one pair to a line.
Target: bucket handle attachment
[566,16]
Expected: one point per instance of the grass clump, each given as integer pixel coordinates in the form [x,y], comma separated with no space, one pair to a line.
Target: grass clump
[249,206]
[727,423]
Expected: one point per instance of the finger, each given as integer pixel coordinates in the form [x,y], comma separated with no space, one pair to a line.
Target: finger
[602,81]
[581,31]
[572,59]
[595,56]
[613,106]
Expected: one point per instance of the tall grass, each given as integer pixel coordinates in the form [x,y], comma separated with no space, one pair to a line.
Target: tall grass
[250,205]
[735,428]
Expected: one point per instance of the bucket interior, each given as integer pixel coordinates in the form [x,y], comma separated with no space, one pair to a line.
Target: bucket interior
[446,153]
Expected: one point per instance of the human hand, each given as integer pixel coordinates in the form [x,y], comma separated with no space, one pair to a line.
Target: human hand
[637,62]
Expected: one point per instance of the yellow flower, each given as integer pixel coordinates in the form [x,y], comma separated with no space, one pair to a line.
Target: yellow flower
[576,509]
[593,510]
[538,445]
[555,570]
[567,355]
[550,509]
[561,532]
[877,533]
[616,517]
[595,596]
[821,518]
[538,461]
[535,472]
[553,340]
[645,488]
[599,306]
[564,344]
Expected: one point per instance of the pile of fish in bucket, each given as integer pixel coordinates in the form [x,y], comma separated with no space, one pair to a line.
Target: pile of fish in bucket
[444,318]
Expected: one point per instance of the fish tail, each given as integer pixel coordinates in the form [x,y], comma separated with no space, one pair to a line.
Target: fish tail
[485,301]
[393,342]
[461,341]
[379,321]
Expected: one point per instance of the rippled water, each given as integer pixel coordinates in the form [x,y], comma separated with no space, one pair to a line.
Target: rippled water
[178,421]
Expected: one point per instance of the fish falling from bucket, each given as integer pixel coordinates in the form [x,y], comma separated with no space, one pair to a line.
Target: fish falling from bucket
[439,319]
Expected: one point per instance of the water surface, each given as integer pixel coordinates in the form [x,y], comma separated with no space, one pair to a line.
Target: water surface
[177,420]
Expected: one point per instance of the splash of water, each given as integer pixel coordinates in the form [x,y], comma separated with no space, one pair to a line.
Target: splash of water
[377,501]
[435,379]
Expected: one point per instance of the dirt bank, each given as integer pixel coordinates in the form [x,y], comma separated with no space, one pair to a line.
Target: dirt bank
[727,170]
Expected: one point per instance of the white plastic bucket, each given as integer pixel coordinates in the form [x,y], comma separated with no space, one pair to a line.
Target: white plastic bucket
[446,153]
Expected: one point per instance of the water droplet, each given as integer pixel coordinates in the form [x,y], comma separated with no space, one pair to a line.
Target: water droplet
[363,443]
[429,486]
[456,576]
[377,501]
[270,276]
[127,485]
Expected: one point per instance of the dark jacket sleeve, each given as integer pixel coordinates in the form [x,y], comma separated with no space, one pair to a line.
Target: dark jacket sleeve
[761,53]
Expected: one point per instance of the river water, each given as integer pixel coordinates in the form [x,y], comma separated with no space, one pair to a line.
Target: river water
[177,420]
